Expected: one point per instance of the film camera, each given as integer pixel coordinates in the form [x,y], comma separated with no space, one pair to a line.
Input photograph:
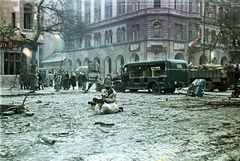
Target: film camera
[94,102]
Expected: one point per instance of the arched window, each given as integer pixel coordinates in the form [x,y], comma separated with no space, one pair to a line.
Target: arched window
[69,63]
[28,16]
[134,57]
[157,29]
[78,63]
[214,60]
[224,61]
[86,62]
[203,59]
[179,56]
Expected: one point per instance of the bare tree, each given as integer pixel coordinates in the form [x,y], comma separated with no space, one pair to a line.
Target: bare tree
[51,16]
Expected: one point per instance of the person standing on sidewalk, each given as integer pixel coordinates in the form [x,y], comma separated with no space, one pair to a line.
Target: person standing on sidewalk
[50,77]
[84,81]
[108,80]
[66,81]
[79,79]
[73,81]
[40,80]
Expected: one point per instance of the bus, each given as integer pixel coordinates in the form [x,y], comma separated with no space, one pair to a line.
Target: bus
[155,76]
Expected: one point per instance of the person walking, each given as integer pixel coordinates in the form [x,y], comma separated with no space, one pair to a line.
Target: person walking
[73,81]
[66,81]
[108,80]
[50,77]
[84,81]
[99,83]
[58,81]
[40,80]
[237,74]
[80,80]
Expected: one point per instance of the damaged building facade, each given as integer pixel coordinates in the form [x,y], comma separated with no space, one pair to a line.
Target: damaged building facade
[17,26]
[124,31]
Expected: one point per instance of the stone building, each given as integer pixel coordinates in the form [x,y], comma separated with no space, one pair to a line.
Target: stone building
[135,30]
[17,25]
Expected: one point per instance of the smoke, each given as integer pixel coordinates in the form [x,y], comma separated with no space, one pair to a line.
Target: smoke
[27,52]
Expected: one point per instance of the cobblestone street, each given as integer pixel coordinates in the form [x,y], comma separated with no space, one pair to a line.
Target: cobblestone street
[151,128]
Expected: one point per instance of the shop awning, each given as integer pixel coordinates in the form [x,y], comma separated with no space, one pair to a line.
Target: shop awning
[56,57]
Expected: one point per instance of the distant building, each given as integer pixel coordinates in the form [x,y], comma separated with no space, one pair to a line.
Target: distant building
[136,30]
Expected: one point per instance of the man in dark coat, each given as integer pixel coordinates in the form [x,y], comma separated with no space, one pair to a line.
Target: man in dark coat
[84,80]
[40,80]
[73,81]
[66,81]
[79,78]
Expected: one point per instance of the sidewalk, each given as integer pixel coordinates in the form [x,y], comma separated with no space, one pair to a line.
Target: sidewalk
[6,92]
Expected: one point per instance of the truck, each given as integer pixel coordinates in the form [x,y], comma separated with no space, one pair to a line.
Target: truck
[216,76]
[156,76]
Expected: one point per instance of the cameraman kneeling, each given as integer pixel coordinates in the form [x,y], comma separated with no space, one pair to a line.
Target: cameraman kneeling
[109,94]
[105,108]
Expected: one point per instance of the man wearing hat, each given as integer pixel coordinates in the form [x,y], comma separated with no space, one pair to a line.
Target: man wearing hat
[108,94]
[105,108]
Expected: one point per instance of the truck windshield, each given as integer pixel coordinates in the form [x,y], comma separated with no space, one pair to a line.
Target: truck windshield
[178,66]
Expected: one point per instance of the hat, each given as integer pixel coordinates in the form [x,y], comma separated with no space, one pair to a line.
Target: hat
[107,86]
[100,101]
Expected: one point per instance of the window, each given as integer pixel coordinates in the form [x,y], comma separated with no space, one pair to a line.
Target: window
[108,9]
[207,36]
[157,3]
[190,35]
[157,31]
[190,7]
[88,41]
[11,63]
[175,4]
[69,63]
[213,39]
[135,32]
[136,5]
[108,37]
[97,39]
[87,12]
[178,31]
[97,11]
[79,7]
[79,42]
[13,19]
[28,16]
[121,34]
[120,7]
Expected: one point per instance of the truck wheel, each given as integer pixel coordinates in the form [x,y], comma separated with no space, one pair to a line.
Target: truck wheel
[155,88]
[118,87]
[209,87]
